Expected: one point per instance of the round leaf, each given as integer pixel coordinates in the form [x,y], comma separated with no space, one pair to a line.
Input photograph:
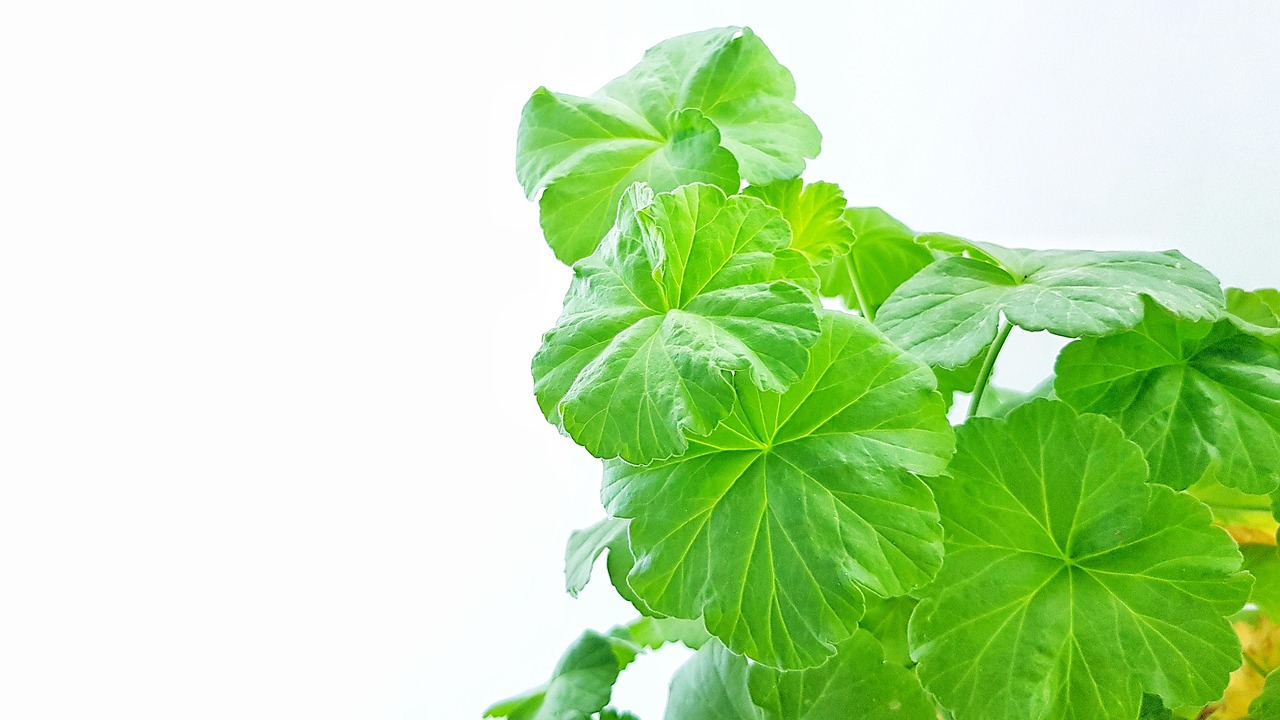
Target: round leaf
[947,314]
[706,107]
[856,683]
[770,527]
[1194,395]
[815,213]
[1070,585]
[689,288]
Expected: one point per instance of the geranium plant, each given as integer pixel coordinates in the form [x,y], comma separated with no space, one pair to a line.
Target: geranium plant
[784,489]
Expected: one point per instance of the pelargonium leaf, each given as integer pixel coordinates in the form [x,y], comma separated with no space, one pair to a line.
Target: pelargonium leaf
[712,107]
[585,547]
[884,254]
[948,312]
[1256,312]
[771,526]
[689,289]
[711,685]
[1070,585]
[579,687]
[815,213]
[1191,394]
[856,683]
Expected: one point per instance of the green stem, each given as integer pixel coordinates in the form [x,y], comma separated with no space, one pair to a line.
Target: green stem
[1257,667]
[984,375]
[856,282]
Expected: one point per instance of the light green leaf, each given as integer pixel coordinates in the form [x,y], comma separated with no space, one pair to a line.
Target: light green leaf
[689,290]
[711,685]
[1070,585]
[585,547]
[706,107]
[770,527]
[653,633]
[580,685]
[1263,563]
[615,714]
[948,313]
[886,619]
[1267,705]
[815,213]
[1256,313]
[856,683]
[884,255]
[1191,394]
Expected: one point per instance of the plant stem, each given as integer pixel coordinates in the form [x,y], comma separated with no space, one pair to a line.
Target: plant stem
[856,282]
[984,375]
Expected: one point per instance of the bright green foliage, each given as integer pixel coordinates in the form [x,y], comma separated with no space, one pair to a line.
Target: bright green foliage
[771,526]
[886,619]
[585,546]
[1267,705]
[1194,395]
[815,213]
[856,683]
[1263,563]
[884,255]
[689,288]
[1256,313]
[1070,587]
[711,685]
[712,107]
[579,687]
[779,476]
[948,313]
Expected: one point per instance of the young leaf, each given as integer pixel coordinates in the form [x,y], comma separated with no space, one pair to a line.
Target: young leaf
[856,683]
[1070,586]
[709,107]
[770,526]
[884,255]
[948,313]
[711,685]
[585,547]
[1190,393]
[1256,313]
[815,213]
[689,289]
[580,685]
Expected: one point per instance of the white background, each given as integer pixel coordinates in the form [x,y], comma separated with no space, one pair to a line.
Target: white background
[268,292]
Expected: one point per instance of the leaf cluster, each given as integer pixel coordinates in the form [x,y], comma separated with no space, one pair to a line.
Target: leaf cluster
[768,374]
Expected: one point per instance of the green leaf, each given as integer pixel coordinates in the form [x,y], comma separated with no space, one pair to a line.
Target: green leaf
[770,527]
[886,619]
[579,687]
[1070,586]
[1267,705]
[1263,563]
[815,213]
[1256,313]
[615,714]
[585,547]
[1153,709]
[1192,394]
[856,683]
[884,255]
[948,313]
[653,633]
[711,685]
[708,107]
[689,290]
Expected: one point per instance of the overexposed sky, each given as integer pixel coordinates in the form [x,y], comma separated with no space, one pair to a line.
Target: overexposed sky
[269,290]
